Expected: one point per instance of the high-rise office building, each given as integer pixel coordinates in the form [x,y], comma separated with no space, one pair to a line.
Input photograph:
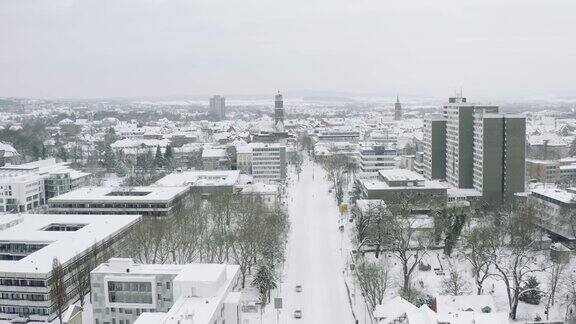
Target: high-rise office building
[434,148]
[397,109]
[218,107]
[279,112]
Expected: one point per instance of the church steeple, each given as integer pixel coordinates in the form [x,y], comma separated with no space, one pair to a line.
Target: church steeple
[397,109]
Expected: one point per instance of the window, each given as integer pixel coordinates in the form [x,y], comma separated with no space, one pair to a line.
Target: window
[130,292]
[167,284]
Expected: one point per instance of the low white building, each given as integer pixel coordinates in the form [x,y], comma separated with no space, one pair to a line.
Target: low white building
[197,293]
[145,201]
[29,244]
[269,193]
[204,181]
[26,186]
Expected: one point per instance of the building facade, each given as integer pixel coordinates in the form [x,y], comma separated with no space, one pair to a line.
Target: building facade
[127,293]
[151,201]
[434,148]
[26,186]
[376,157]
[485,150]
[28,246]
[499,155]
[218,107]
[269,163]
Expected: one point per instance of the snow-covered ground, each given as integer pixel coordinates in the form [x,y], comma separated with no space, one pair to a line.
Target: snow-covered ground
[313,256]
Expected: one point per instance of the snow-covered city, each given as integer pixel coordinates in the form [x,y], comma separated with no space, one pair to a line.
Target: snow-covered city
[284,162]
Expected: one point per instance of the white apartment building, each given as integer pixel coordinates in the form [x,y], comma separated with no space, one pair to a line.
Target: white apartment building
[372,158]
[199,293]
[269,163]
[28,246]
[26,186]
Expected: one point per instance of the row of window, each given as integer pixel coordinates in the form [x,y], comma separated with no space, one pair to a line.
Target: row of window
[22,282]
[23,311]
[23,296]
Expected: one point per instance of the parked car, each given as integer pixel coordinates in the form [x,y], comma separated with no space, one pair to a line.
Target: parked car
[297,313]
[298,288]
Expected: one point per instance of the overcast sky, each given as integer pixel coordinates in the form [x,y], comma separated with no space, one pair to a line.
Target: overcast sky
[124,48]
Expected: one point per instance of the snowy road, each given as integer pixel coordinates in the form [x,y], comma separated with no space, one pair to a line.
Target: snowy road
[313,255]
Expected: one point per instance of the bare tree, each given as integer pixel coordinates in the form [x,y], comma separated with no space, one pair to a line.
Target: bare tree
[512,248]
[373,279]
[455,284]
[247,234]
[406,241]
[476,251]
[336,167]
[369,225]
[81,278]
[58,288]
[569,289]
[554,277]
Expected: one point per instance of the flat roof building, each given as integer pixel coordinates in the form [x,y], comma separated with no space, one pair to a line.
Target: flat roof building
[434,148]
[145,201]
[125,292]
[26,186]
[397,185]
[28,245]
[204,181]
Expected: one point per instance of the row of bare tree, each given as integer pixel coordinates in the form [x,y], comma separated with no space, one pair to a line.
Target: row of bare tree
[500,243]
[226,228]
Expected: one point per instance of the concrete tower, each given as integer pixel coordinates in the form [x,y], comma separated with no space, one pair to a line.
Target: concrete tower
[397,109]
[218,107]
[279,112]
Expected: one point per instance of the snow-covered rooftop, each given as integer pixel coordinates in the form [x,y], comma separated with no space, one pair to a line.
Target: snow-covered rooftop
[121,194]
[121,265]
[61,244]
[565,196]
[200,178]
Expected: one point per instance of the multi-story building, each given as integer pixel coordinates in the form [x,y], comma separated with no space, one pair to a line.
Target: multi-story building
[484,150]
[551,171]
[337,135]
[145,201]
[26,186]
[215,158]
[434,148]
[394,186]
[269,163]
[30,243]
[372,158]
[121,290]
[128,293]
[499,155]
[218,107]
[244,158]
[554,211]
[459,117]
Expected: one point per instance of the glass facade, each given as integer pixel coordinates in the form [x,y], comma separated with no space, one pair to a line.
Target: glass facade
[130,292]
